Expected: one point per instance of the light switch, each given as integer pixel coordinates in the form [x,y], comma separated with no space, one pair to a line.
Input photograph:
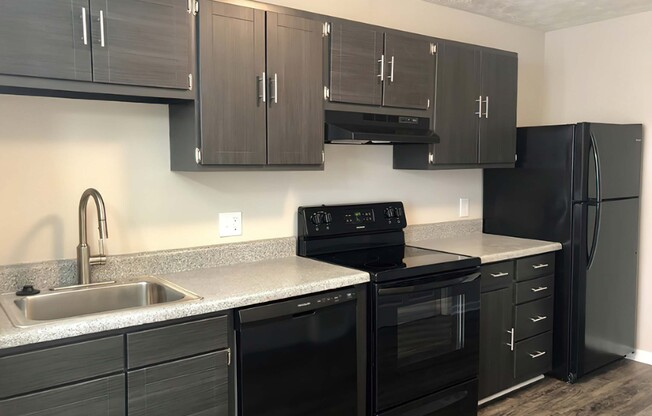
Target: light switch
[464,207]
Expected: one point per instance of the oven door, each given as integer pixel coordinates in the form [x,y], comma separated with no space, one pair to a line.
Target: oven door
[426,336]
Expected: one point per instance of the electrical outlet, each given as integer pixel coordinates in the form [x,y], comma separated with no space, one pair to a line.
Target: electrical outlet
[230,224]
[464,207]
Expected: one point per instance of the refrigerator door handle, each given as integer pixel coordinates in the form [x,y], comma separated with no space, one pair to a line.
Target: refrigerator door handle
[598,203]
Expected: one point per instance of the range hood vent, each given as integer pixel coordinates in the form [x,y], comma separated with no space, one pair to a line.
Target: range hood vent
[343,127]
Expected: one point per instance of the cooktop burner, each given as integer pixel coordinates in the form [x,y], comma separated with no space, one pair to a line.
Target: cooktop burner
[399,261]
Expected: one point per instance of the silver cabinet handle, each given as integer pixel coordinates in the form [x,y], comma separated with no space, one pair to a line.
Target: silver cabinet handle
[538,354]
[102,43]
[381,61]
[275,88]
[510,344]
[540,266]
[479,112]
[486,112]
[391,70]
[539,318]
[501,274]
[262,95]
[84,26]
[539,289]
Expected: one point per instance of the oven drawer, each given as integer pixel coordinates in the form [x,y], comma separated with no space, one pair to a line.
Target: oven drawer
[497,275]
[461,400]
[534,289]
[533,356]
[535,266]
[533,318]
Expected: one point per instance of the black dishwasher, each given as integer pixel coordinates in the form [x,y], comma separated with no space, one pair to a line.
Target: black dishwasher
[300,357]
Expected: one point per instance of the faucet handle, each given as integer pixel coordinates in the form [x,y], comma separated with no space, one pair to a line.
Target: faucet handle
[100,246]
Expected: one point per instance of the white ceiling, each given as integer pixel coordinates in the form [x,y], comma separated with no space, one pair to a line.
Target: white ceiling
[549,15]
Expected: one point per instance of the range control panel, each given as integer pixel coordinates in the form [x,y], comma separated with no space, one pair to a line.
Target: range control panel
[328,220]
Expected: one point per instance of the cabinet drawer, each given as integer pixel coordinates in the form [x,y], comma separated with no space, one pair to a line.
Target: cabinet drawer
[536,266]
[193,386]
[103,397]
[24,373]
[533,318]
[176,341]
[497,275]
[533,357]
[534,289]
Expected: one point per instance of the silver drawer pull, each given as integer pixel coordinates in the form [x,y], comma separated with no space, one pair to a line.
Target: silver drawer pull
[539,318]
[501,274]
[538,354]
[539,289]
[540,266]
[510,344]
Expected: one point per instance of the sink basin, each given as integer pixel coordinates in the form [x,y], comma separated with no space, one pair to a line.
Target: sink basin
[86,300]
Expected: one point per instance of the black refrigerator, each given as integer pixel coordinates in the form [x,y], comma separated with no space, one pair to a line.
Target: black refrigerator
[578,184]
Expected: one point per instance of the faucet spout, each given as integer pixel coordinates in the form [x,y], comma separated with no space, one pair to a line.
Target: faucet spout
[84,258]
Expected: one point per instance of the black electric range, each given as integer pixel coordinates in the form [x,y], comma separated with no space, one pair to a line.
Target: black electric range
[424,308]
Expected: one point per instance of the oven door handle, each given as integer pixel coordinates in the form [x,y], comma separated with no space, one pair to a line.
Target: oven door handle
[428,286]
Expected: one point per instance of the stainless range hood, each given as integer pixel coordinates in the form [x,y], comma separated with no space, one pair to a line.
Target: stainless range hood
[343,127]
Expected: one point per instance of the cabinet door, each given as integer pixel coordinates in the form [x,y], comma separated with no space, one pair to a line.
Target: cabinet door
[140,42]
[45,39]
[103,397]
[458,89]
[295,116]
[410,72]
[496,357]
[355,52]
[194,386]
[498,126]
[233,91]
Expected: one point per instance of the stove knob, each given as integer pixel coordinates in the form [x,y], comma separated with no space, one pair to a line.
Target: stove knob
[398,212]
[317,218]
[389,212]
[328,218]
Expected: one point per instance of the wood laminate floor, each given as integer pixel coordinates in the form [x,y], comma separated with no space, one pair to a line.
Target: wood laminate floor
[623,389]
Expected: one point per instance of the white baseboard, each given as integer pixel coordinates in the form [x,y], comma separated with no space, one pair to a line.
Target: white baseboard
[509,390]
[641,356]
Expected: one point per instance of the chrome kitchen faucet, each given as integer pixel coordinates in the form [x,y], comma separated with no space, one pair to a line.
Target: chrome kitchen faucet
[84,258]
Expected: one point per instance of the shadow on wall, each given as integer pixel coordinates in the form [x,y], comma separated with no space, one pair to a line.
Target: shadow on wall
[51,223]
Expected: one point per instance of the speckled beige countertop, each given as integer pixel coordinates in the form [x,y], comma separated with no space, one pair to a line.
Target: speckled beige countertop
[490,248]
[222,288]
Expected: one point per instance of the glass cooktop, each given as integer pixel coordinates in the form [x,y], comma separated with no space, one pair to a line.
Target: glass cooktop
[400,261]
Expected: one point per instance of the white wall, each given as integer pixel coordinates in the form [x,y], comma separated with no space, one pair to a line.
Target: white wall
[52,149]
[603,72]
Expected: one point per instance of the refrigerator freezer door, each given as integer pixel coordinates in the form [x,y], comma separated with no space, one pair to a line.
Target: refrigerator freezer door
[607,290]
[618,152]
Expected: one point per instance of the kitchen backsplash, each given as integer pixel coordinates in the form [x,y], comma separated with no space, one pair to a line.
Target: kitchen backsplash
[58,273]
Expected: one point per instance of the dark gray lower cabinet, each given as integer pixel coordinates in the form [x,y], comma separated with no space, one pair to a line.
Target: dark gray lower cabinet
[516,322]
[496,359]
[101,397]
[193,386]
[179,369]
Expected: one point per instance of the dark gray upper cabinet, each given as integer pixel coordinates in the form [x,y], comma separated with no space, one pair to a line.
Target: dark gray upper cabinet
[106,49]
[457,100]
[475,111]
[233,90]
[139,42]
[261,96]
[410,71]
[375,67]
[295,116]
[45,39]
[498,129]
[355,64]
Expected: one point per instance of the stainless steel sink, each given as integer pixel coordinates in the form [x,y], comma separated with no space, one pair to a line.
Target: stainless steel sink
[90,299]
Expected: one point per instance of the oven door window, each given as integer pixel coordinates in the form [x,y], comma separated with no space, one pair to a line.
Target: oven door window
[426,339]
[431,327]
